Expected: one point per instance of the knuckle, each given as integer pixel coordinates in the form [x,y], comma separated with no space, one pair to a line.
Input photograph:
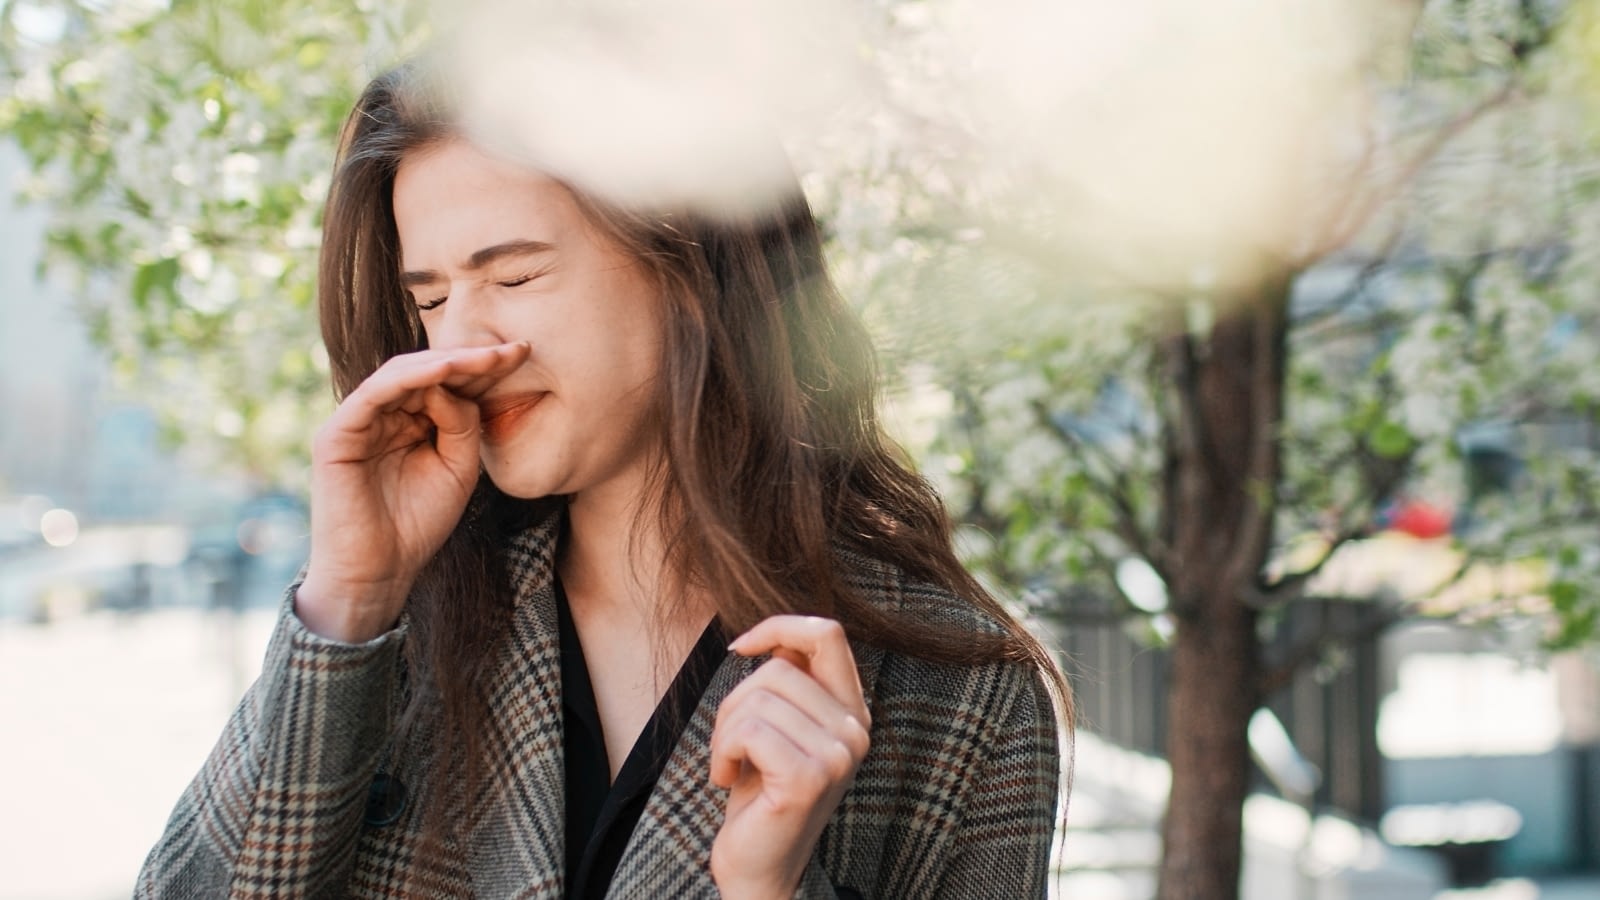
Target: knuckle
[783,801]
[840,759]
[761,699]
[856,739]
[747,729]
[864,720]
[827,629]
[816,775]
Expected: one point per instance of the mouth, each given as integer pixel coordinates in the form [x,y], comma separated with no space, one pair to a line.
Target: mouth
[499,416]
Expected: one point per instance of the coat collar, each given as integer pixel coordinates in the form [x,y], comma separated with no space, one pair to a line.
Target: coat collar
[518,846]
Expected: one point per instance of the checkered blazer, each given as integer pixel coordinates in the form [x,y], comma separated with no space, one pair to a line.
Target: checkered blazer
[956,798]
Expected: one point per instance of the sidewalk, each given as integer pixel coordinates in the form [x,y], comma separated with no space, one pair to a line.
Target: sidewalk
[1579,887]
[1112,848]
[105,719]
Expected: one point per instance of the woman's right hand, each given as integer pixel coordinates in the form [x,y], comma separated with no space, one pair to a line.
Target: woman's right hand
[391,473]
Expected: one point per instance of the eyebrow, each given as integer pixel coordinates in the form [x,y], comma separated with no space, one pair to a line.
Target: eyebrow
[482,259]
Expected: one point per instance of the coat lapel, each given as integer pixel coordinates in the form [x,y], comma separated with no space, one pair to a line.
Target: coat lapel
[518,847]
[669,854]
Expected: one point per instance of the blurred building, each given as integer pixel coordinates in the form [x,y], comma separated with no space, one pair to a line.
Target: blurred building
[50,378]
[63,432]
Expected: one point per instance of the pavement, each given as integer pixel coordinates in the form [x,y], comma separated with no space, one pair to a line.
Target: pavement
[104,719]
[1586,888]
[1552,888]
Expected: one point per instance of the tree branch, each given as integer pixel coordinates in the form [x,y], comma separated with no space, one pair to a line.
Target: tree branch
[1379,483]
[1313,647]
[1346,223]
[1117,491]
[1292,587]
[1369,270]
[1277,677]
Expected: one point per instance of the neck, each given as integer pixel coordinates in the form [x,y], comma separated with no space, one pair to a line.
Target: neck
[614,557]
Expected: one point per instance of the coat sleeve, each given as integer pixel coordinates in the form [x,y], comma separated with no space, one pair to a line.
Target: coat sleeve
[277,808]
[1007,826]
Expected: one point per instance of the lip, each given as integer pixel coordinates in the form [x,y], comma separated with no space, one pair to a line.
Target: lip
[499,416]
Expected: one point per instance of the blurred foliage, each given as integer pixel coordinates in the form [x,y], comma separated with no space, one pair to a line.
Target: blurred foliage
[183,151]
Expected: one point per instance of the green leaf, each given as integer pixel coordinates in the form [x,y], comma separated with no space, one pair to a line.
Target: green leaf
[1391,440]
[1576,631]
[160,276]
[1564,596]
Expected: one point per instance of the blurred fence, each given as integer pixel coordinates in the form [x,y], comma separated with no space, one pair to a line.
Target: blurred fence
[1330,709]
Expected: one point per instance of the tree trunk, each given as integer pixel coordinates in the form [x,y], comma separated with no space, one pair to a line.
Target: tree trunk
[1221,469]
[1210,700]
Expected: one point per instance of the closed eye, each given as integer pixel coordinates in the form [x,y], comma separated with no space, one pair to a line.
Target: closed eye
[519,281]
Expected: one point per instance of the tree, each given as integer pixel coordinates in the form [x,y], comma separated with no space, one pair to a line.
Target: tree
[1235,413]
[1228,387]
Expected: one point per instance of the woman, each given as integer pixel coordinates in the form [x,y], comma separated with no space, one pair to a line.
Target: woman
[579,448]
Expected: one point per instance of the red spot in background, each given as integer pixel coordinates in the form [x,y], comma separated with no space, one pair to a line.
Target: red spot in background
[1419,519]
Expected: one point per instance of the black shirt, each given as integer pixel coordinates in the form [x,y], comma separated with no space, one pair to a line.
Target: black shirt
[601,815]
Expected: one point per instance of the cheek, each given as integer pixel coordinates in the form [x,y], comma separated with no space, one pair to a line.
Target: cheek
[652,361]
[643,337]
[645,366]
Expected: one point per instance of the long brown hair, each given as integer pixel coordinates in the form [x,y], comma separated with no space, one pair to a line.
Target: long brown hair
[774,456]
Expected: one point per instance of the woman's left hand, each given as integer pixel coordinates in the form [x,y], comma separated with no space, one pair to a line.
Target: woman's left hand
[786,745]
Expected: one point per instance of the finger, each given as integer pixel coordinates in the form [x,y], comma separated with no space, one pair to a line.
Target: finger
[766,749]
[387,388]
[473,359]
[783,679]
[393,407]
[475,386]
[455,420]
[390,388]
[383,395]
[473,378]
[815,643]
[830,737]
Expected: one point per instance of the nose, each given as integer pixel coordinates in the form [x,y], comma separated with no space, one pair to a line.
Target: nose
[465,319]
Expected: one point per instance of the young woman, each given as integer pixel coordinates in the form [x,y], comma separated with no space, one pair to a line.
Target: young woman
[617,587]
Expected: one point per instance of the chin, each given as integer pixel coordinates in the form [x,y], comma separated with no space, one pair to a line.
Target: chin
[519,482]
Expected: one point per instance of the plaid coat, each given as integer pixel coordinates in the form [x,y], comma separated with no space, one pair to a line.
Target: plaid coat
[955,799]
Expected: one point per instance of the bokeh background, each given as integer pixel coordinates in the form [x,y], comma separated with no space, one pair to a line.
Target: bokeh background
[1272,320]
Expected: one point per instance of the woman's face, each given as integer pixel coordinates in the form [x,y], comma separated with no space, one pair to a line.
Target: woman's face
[494,253]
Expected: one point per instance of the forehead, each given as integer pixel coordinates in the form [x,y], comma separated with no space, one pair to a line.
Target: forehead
[451,199]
